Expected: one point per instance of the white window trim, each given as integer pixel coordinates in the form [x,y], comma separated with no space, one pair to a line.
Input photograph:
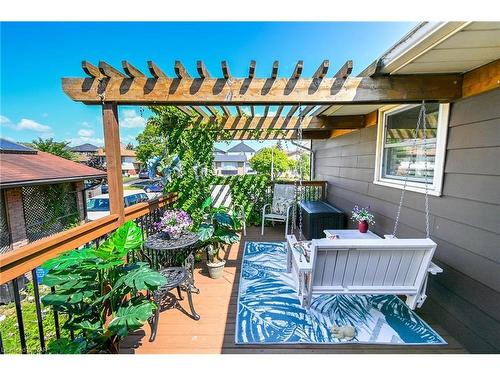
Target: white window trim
[442,131]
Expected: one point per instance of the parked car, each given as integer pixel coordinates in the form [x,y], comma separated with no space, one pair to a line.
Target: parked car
[156,187]
[98,206]
[143,183]
[143,174]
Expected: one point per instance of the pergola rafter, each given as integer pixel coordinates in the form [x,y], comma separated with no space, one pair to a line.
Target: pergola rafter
[133,87]
[208,96]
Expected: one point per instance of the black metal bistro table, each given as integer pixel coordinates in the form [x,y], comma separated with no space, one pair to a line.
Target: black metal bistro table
[174,259]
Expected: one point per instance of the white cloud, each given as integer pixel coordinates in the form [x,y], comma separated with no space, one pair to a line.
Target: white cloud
[131,119]
[81,140]
[85,133]
[85,124]
[26,124]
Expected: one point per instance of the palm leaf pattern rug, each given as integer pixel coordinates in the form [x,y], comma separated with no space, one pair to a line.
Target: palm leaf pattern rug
[269,311]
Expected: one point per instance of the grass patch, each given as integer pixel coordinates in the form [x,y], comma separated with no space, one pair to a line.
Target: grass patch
[10,328]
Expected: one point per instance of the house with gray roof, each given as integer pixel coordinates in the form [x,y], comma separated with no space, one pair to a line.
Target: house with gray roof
[234,161]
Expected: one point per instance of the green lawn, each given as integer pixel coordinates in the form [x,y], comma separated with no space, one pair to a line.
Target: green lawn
[9,326]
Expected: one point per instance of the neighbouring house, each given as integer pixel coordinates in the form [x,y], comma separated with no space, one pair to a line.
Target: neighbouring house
[234,161]
[84,152]
[241,149]
[366,167]
[130,164]
[40,194]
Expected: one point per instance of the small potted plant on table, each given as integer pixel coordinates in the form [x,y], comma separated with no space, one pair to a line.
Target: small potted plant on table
[173,223]
[217,230]
[363,217]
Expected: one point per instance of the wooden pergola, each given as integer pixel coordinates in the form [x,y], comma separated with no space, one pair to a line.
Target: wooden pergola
[306,98]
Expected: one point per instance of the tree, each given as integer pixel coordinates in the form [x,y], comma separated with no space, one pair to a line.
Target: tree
[60,149]
[129,146]
[171,132]
[305,166]
[262,160]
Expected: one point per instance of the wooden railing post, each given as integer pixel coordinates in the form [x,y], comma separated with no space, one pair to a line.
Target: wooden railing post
[113,159]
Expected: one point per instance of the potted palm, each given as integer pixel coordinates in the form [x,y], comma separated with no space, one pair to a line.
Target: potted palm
[217,230]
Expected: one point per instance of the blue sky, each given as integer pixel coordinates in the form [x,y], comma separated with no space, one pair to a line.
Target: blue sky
[35,56]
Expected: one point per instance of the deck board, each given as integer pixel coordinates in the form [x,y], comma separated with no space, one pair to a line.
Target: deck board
[216,304]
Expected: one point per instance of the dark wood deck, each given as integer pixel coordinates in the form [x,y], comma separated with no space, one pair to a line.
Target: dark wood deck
[216,304]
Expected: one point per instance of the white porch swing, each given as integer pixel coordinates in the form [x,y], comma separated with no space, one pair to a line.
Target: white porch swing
[387,265]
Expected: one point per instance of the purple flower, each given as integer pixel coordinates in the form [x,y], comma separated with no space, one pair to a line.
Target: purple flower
[174,222]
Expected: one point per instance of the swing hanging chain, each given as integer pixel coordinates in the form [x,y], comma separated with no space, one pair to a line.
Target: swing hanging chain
[299,170]
[421,120]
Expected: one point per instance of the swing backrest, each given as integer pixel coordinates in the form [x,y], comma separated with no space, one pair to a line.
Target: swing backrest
[370,266]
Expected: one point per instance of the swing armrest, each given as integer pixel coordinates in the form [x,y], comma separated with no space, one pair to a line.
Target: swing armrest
[434,269]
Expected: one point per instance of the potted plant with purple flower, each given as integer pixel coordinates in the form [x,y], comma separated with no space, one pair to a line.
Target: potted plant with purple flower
[363,217]
[173,223]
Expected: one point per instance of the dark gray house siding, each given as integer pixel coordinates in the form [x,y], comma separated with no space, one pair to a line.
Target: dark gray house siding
[465,220]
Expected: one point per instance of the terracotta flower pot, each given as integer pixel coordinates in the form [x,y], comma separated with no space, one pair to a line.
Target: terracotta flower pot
[363,226]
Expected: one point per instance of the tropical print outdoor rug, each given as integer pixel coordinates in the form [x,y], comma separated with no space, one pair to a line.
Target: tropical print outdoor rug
[269,310]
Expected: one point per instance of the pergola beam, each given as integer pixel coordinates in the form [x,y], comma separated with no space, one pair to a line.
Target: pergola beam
[275,135]
[281,91]
[235,123]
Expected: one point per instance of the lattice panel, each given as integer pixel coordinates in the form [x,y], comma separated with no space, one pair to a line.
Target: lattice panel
[5,240]
[49,209]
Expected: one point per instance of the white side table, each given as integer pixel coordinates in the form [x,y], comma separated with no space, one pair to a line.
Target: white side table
[351,234]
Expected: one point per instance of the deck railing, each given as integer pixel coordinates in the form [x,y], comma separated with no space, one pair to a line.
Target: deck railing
[24,261]
[311,190]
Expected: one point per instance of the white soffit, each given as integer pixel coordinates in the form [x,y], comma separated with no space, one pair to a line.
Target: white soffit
[464,49]
[346,110]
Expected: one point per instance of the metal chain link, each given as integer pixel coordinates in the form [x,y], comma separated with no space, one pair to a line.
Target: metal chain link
[299,169]
[421,118]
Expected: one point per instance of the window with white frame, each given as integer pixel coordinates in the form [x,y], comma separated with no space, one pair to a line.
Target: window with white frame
[399,157]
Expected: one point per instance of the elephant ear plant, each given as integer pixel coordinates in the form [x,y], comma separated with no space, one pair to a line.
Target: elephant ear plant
[103,297]
[217,230]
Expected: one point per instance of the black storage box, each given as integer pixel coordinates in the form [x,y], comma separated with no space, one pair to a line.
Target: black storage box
[318,216]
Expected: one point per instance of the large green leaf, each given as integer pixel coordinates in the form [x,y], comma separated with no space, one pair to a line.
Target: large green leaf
[55,299]
[131,317]
[66,346]
[70,259]
[140,277]
[205,231]
[127,238]
[223,218]
[226,236]
[206,203]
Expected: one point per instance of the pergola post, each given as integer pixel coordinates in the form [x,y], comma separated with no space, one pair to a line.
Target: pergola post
[113,158]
